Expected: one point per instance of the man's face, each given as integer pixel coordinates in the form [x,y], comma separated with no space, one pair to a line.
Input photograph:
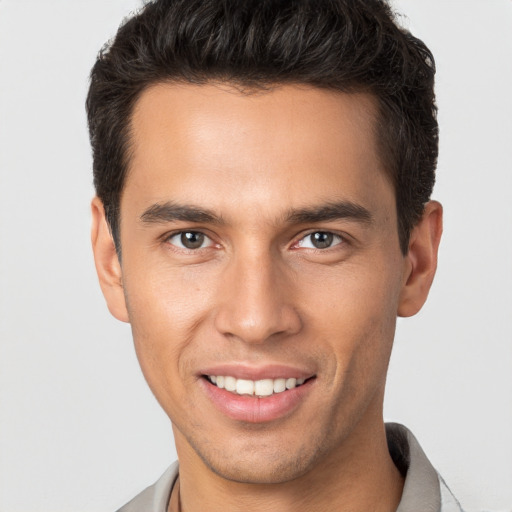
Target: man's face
[259,245]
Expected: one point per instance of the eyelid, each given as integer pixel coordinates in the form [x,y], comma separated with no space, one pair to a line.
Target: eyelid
[343,239]
[166,238]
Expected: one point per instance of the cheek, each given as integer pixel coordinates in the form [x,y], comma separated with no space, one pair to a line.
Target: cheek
[358,334]
[166,309]
[356,313]
[352,293]
[168,301]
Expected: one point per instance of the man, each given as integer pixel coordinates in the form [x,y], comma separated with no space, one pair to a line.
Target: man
[263,173]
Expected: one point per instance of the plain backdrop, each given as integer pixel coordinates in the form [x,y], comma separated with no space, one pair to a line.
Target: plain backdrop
[79,429]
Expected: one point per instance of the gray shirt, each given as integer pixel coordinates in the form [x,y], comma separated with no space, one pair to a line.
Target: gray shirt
[424,489]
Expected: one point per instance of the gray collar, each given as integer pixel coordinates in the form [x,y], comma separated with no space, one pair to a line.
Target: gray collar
[421,487]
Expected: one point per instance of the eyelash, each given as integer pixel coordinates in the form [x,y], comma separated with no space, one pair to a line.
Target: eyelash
[334,241]
[190,232]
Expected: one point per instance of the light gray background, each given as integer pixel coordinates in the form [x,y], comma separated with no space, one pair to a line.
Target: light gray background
[79,430]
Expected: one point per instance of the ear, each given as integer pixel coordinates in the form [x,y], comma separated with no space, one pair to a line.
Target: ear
[421,260]
[107,263]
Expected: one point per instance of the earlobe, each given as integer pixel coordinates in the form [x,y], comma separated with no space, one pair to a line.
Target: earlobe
[421,260]
[107,262]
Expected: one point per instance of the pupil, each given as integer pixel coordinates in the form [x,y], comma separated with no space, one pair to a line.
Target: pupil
[321,240]
[192,240]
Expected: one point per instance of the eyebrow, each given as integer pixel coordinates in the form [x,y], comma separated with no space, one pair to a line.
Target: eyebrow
[330,211]
[160,213]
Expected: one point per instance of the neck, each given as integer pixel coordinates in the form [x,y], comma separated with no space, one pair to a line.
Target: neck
[359,476]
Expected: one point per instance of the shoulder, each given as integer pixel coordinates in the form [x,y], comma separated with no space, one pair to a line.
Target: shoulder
[424,489]
[449,502]
[154,498]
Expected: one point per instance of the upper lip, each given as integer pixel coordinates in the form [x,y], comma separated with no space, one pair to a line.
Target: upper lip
[260,372]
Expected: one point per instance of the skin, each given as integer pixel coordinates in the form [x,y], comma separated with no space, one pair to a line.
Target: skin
[258,292]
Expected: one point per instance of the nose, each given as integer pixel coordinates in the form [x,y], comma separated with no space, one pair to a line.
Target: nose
[256,300]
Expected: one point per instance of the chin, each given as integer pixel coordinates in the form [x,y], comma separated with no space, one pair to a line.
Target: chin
[260,474]
[259,464]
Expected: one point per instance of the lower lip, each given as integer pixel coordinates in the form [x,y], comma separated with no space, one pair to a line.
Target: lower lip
[253,409]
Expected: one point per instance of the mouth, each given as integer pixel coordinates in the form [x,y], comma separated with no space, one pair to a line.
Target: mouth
[259,388]
[250,394]
[257,401]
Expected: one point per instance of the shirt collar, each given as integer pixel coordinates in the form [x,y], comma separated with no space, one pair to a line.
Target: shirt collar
[421,487]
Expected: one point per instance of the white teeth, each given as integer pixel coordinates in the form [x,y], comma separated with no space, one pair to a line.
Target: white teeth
[230,383]
[264,387]
[291,383]
[244,387]
[279,385]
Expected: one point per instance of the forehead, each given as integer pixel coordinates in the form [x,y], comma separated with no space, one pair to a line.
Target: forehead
[292,144]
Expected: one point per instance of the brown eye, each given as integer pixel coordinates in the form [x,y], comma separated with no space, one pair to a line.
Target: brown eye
[320,240]
[190,240]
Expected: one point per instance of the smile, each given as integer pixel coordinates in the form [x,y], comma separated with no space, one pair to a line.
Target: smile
[258,400]
[259,388]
